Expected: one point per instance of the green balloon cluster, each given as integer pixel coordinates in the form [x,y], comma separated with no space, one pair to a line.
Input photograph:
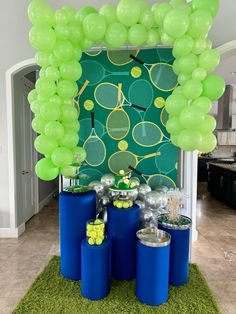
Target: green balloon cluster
[60,37]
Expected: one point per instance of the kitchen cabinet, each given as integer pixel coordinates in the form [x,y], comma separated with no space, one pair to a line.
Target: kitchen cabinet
[226,138]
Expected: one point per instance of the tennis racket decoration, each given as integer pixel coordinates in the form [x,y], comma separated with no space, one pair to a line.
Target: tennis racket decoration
[121,57]
[85,129]
[94,146]
[77,99]
[147,134]
[166,163]
[106,95]
[164,117]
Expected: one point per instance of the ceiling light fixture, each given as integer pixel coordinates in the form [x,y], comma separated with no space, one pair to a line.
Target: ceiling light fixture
[233,73]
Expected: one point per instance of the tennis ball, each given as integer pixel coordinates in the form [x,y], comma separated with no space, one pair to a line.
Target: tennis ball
[123,145]
[89,227]
[97,222]
[100,234]
[126,204]
[136,72]
[99,241]
[115,203]
[91,241]
[93,234]
[88,104]
[159,102]
[119,204]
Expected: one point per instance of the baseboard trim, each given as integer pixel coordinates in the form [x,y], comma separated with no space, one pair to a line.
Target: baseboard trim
[47,199]
[12,232]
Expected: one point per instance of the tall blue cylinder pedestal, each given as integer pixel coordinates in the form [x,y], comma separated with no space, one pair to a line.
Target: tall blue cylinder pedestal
[179,255]
[152,278]
[122,227]
[75,211]
[95,270]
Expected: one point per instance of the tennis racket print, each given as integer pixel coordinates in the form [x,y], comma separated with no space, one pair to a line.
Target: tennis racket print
[161,74]
[85,129]
[121,57]
[77,99]
[94,147]
[147,134]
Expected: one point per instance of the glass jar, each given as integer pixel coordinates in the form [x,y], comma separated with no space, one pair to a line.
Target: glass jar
[95,231]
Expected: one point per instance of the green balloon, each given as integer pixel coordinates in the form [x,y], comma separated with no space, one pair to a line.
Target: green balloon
[86,44]
[192,89]
[211,5]
[72,126]
[204,104]
[56,100]
[63,50]
[62,157]
[178,90]
[54,130]
[65,15]
[191,117]
[94,27]
[174,140]
[63,32]
[183,46]
[144,5]
[46,170]
[208,143]
[209,59]
[50,112]
[32,96]
[79,154]
[53,61]
[128,12]
[187,64]
[40,13]
[147,19]
[173,126]
[153,37]
[199,46]
[44,145]
[199,74]
[183,78]
[213,87]
[177,3]
[108,11]
[67,89]
[42,38]
[208,43]
[160,12]
[38,124]
[36,105]
[208,125]
[200,23]
[45,87]
[83,13]
[42,59]
[116,35]
[76,33]
[176,67]
[77,52]
[70,139]
[71,71]
[42,73]
[176,23]
[189,140]
[167,39]
[52,73]
[68,102]
[137,35]
[175,104]
[68,114]
[68,171]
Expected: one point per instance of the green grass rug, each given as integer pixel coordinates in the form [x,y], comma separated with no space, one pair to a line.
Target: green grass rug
[50,293]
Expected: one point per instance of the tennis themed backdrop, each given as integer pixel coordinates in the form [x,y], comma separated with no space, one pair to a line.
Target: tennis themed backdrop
[122,116]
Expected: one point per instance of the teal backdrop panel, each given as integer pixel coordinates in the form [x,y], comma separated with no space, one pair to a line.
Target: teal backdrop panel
[132,129]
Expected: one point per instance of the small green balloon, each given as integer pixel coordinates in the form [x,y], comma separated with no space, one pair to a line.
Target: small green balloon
[63,32]
[71,71]
[72,126]
[153,37]
[176,23]
[209,59]
[45,87]
[32,96]
[178,90]
[173,126]
[67,89]
[116,35]
[191,117]
[183,46]
[86,44]
[213,87]
[211,5]
[189,140]
[128,12]
[65,15]
[83,13]
[77,52]
[200,23]
[53,61]
[46,170]
[199,74]
[160,12]
[76,33]
[175,104]
[147,19]
[68,114]
[56,100]
[36,105]
[62,157]
[94,27]
[108,11]
[50,112]
[137,35]
[63,50]
[54,130]
[192,89]
[208,125]
[144,5]
[42,58]
[183,78]
[40,13]
[199,46]
[52,73]
[70,139]
[176,67]
[177,3]
[68,171]
[187,64]
[42,38]
[208,43]
[79,154]
[204,104]
[38,124]
[167,39]
[208,143]
[174,139]
[44,145]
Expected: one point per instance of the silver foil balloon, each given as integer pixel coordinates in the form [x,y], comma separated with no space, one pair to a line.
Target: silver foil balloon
[108,180]
[104,200]
[98,187]
[164,200]
[140,204]
[143,189]
[153,200]
[136,181]
[103,215]
[146,217]
[162,189]
[126,195]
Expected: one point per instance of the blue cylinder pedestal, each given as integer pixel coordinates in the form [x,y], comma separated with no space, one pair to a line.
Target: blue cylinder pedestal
[152,277]
[95,270]
[75,211]
[179,254]
[122,227]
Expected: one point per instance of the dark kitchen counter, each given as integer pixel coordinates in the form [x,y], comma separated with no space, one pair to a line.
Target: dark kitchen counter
[229,167]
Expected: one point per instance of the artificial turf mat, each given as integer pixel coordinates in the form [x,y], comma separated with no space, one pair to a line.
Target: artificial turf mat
[50,293]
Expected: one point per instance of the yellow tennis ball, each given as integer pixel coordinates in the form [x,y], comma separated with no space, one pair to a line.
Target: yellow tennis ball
[123,145]
[120,204]
[136,72]
[99,241]
[91,241]
[97,222]
[159,102]
[88,104]
[93,234]
[100,234]
[89,227]
[126,204]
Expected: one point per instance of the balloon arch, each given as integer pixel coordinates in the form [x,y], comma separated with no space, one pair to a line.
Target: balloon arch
[60,37]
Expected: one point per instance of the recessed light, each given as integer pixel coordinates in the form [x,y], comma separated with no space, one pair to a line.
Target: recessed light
[233,73]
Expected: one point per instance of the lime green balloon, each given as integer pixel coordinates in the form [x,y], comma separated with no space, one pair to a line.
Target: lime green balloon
[72,126]
[173,126]
[147,19]
[187,64]
[67,89]
[176,23]
[63,32]
[189,140]
[160,11]
[52,73]
[42,38]
[42,73]
[79,154]
[191,117]
[175,104]
[199,46]
[176,67]
[211,5]
[137,35]
[40,13]
[56,100]
[76,33]
[153,37]
[36,105]
[183,78]
[38,124]
[63,50]
[46,170]
[44,145]
[128,12]
[68,102]
[167,39]
[62,157]
[208,43]
[209,59]
[53,61]
[192,89]
[65,15]
[50,112]
[32,96]
[42,58]
[183,46]
[86,44]
[178,90]
[177,3]
[70,139]
[186,8]
[213,87]
[199,74]
[208,143]
[77,52]
[116,35]
[68,171]
[208,125]
[174,139]
[45,87]
[54,130]
[68,114]
[94,27]
[83,13]
[71,70]
[108,11]
[144,5]
[200,23]
[204,104]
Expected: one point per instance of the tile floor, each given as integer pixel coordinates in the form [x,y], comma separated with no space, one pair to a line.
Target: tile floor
[23,259]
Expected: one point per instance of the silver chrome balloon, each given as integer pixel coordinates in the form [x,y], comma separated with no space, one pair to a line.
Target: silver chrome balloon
[103,215]
[162,189]
[140,204]
[153,199]
[135,180]
[104,200]
[108,180]
[164,200]
[143,189]
[125,195]
[98,187]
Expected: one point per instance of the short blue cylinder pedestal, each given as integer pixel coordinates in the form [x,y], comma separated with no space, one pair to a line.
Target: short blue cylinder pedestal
[122,227]
[95,270]
[75,211]
[179,255]
[152,278]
